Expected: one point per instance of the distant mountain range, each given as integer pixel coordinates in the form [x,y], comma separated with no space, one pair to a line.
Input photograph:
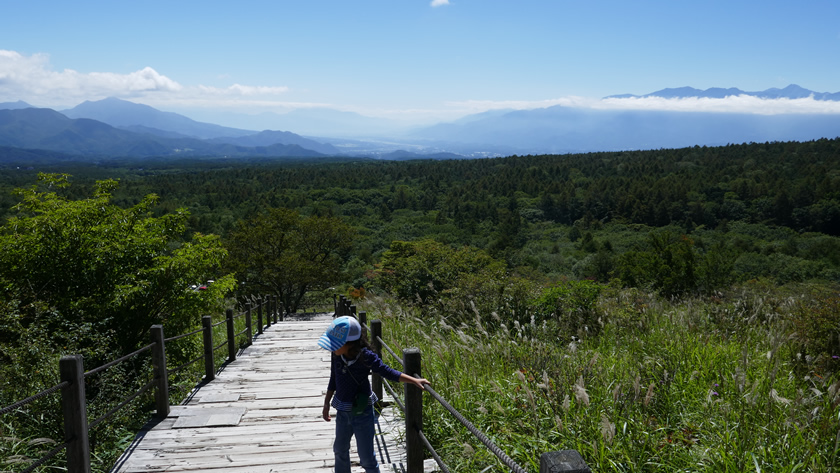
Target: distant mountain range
[792,91]
[561,129]
[118,128]
[572,130]
[46,129]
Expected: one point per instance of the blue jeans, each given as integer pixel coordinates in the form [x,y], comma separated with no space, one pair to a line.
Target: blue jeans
[362,426]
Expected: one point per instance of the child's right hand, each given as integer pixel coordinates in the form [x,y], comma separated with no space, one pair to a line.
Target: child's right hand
[326,414]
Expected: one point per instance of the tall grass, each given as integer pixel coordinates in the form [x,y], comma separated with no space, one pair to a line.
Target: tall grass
[714,384]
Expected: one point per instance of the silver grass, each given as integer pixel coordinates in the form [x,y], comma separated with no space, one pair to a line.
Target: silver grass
[607,429]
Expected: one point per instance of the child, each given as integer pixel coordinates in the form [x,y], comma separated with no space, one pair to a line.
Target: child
[351,363]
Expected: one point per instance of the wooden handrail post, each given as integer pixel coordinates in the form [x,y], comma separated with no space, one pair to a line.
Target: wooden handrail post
[335,306]
[74,408]
[209,365]
[248,330]
[161,376]
[375,335]
[563,461]
[363,319]
[268,310]
[414,448]
[260,303]
[282,311]
[353,311]
[231,338]
[276,308]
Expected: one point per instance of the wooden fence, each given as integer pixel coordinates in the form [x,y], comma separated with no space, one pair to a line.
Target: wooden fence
[77,428]
[72,378]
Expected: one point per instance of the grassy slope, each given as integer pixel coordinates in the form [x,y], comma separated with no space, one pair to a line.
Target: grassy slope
[701,385]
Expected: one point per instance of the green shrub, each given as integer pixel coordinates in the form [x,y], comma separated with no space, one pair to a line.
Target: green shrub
[573,305]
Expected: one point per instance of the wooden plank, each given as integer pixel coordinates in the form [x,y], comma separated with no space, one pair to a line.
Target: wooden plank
[279,382]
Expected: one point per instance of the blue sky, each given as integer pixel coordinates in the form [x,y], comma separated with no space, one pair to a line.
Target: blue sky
[413,60]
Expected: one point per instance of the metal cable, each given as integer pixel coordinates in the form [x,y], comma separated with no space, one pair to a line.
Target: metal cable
[219,323]
[41,394]
[177,337]
[478,434]
[220,345]
[431,450]
[388,349]
[175,370]
[44,459]
[121,405]
[118,360]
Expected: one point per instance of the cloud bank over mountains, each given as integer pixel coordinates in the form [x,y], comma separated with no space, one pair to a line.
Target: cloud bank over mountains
[33,79]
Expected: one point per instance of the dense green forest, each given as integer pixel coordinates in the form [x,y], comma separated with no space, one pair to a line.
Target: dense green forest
[687,272]
[773,209]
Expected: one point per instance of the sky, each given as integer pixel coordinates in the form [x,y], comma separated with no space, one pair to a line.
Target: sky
[415,61]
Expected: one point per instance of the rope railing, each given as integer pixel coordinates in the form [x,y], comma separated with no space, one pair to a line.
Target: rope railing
[185,365]
[119,406]
[477,433]
[72,385]
[178,337]
[33,398]
[389,350]
[118,360]
[416,440]
[41,461]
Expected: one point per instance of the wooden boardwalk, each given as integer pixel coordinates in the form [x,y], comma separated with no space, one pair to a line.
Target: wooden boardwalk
[261,414]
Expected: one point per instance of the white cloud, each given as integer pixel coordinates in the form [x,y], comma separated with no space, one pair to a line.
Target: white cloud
[31,79]
[733,104]
[438,3]
[238,89]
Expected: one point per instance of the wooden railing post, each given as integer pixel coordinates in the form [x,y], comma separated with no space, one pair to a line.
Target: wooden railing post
[353,311]
[231,338]
[248,330]
[335,306]
[414,448]
[74,408]
[209,365]
[282,311]
[563,461]
[375,336]
[160,374]
[260,303]
[276,306]
[342,306]
[363,318]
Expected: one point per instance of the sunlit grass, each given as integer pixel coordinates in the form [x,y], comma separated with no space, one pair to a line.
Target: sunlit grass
[712,384]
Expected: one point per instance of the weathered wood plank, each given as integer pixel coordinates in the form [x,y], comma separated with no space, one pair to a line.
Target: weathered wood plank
[280,382]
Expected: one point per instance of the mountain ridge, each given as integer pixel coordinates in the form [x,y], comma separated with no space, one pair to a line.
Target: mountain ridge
[792,91]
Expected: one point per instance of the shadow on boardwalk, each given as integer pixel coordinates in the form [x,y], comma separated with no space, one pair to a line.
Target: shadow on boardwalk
[262,413]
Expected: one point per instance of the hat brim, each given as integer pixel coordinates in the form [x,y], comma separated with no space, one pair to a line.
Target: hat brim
[329,343]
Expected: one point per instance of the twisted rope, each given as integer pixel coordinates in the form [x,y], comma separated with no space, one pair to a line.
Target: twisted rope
[44,459]
[118,360]
[121,405]
[478,434]
[175,370]
[41,394]
[388,349]
[176,337]
[431,450]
